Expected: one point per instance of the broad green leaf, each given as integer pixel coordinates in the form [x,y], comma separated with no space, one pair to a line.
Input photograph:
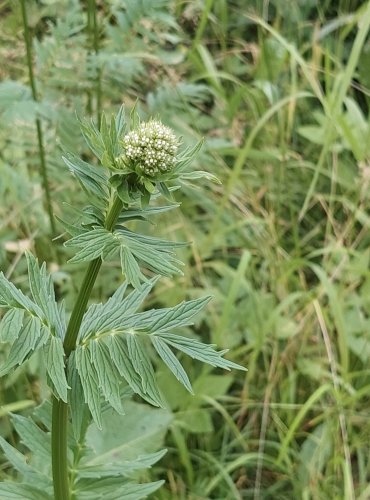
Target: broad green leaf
[195,420]
[16,491]
[143,367]
[11,325]
[108,375]
[126,437]
[171,361]
[54,361]
[90,382]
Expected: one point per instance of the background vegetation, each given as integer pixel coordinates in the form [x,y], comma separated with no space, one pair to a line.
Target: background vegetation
[280,91]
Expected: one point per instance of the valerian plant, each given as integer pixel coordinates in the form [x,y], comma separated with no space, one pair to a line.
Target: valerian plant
[92,357]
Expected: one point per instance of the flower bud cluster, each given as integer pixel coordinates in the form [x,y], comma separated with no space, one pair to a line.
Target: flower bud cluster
[151,147]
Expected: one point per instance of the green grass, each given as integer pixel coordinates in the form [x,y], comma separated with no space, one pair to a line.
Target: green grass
[280,91]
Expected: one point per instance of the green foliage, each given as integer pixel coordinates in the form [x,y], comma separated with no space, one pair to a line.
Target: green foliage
[106,345]
[279,91]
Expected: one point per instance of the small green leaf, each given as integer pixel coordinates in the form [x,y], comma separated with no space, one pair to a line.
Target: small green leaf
[108,375]
[92,179]
[31,337]
[42,290]
[143,367]
[33,437]
[157,255]
[16,458]
[10,296]
[123,191]
[121,467]
[130,268]
[11,325]
[94,243]
[54,361]
[119,353]
[171,361]
[90,382]
[79,410]
[173,317]
[200,351]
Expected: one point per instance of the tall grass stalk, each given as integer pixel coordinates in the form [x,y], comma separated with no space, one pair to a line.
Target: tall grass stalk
[40,137]
[93,31]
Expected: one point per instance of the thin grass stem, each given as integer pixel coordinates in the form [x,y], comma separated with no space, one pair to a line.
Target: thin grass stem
[40,138]
[93,29]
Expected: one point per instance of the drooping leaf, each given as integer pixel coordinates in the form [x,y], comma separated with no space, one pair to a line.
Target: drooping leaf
[108,375]
[90,382]
[171,361]
[16,458]
[118,351]
[79,409]
[197,350]
[54,361]
[130,267]
[143,367]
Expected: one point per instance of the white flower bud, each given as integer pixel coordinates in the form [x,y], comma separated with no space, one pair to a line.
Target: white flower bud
[151,148]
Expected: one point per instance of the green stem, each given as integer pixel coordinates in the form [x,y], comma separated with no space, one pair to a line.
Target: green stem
[94,42]
[40,139]
[59,449]
[60,409]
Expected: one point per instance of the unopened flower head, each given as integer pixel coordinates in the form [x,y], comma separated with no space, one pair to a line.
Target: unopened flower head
[151,148]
